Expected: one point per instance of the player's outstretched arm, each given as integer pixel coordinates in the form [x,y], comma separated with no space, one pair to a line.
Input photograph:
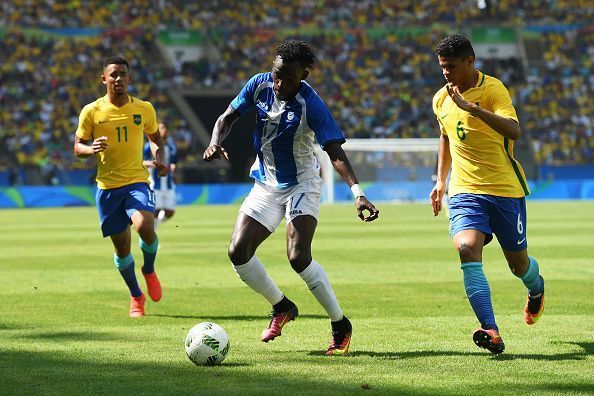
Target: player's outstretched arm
[158,149]
[341,163]
[220,131]
[444,161]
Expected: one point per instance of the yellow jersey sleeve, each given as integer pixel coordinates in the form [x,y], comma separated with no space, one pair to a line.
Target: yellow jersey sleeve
[151,126]
[438,100]
[499,99]
[85,122]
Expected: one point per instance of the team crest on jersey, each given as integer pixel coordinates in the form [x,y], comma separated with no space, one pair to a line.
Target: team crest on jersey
[137,119]
[290,116]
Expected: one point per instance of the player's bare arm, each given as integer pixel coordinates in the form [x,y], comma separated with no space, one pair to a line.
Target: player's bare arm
[220,131]
[506,127]
[341,163]
[82,149]
[148,163]
[157,148]
[444,161]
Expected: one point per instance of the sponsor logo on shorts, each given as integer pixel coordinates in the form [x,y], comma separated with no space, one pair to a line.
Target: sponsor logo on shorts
[295,212]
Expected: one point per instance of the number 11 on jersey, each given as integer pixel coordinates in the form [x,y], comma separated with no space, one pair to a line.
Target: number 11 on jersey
[120,133]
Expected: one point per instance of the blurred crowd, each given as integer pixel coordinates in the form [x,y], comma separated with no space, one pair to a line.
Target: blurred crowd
[287,13]
[556,98]
[378,83]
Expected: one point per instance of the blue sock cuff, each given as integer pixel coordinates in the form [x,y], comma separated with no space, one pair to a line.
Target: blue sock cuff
[531,271]
[471,264]
[152,248]
[123,263]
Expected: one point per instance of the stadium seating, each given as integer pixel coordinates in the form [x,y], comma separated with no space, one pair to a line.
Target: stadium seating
[374,71]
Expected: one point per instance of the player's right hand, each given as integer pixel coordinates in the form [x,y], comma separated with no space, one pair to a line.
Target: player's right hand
[361,204]
[436,196]
[99,144]
[213,152]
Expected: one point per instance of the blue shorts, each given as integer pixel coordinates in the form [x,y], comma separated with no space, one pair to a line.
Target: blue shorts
[504,217]
[117,205]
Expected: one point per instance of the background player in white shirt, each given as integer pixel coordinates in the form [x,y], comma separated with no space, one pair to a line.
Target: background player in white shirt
[163,186]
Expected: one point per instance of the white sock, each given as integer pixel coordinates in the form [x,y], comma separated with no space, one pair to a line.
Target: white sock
[161,217]
[255,276]
[316,280]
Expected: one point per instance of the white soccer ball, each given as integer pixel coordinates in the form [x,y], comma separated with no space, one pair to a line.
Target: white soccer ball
[207,344]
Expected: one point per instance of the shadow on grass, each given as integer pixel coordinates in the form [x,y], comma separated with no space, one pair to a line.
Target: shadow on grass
[230,317]
[61,372]
[588,349]
[11,326]
[71,336]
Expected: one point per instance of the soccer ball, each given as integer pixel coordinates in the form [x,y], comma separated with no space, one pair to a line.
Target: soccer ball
[207,344]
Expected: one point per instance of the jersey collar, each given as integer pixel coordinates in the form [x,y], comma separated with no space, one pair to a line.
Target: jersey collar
[481,79]
[106,101]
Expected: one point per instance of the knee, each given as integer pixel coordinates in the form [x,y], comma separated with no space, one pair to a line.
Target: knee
[518,266]
[467,252]
[239,253]
[147,234]
[122,249]
[299,259]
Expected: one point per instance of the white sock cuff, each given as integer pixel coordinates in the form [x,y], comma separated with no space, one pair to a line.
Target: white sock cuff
[247,265]
[255,276]
[311,272]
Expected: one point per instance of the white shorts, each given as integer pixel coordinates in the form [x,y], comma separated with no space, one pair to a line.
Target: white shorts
[166,199]
[268,205]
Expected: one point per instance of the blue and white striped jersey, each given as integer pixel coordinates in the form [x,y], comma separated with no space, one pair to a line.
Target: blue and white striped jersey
[165,182]
[285,131]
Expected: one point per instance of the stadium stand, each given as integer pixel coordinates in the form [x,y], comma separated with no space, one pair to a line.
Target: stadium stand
[376,68]
[47,80]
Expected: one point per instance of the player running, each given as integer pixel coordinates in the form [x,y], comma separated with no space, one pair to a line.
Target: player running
[116,124]
[163,186]
[487,186]
[290,115]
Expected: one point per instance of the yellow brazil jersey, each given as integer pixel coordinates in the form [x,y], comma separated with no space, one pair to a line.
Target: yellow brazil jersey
[482,159]
[121,163]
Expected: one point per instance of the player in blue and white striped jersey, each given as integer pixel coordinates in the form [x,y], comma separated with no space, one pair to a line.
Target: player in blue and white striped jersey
[164,186]
[291,117]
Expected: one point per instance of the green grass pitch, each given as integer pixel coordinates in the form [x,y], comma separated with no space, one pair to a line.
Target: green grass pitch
[64,327]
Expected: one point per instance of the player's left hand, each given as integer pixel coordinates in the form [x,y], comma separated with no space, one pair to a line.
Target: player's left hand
[163,169]
[362,204]
[457,98]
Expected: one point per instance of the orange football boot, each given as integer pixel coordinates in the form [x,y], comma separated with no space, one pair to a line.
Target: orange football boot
[137,306]
[153,285]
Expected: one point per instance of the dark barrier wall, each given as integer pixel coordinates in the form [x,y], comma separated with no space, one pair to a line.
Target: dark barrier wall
[239,143]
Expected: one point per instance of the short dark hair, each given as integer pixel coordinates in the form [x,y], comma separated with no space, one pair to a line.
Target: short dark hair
[456,45]
[296,50]
[115,60]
